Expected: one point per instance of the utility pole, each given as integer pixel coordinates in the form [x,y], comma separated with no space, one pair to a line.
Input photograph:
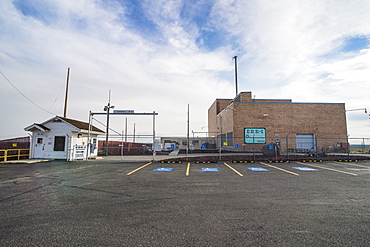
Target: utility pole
[66,96]
[236,74]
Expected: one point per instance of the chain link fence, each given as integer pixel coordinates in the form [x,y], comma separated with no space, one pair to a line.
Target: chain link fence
[299,144]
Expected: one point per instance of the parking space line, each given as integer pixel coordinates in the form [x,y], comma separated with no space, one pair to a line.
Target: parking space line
[342,163]
[234,170]
[139,168]
[280,169]
[309,164]
[188,170]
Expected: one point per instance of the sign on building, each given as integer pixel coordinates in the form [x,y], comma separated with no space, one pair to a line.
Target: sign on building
[255,135]
[79,152]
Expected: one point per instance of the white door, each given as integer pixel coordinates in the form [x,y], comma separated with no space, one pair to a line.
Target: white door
[39,148]
[305,142]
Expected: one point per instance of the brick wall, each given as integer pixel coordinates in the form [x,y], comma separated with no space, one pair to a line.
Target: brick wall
[281,118]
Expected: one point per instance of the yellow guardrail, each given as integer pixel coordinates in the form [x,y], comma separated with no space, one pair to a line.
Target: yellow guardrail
[5,154]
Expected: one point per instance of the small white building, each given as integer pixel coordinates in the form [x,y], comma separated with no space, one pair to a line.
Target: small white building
[63,138]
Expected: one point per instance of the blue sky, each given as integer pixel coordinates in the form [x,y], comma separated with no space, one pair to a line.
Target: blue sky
[162,55]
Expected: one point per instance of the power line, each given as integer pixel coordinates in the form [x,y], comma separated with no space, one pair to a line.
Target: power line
[25,95]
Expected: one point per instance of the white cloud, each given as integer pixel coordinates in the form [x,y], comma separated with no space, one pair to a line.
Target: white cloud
[287,49]
[105,55]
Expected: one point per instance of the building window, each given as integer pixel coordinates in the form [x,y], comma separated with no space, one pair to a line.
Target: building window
[184,143]
[230,138]
[39,140]
[167,141]
[195,142]
[59,143]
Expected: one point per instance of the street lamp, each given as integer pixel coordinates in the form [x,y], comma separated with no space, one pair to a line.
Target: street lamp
[107,109]
[360,109]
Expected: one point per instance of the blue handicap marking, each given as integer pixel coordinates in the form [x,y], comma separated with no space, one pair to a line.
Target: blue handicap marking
[236,146]
[257,169]
[204,146]
[306,169]
[162,169]
[210,170]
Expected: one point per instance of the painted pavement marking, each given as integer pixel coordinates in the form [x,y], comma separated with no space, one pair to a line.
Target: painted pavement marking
[296,174]
[305,169]
[163,169]
[257,169]
[233,170]
[210,170]
[328,168]
[141,167]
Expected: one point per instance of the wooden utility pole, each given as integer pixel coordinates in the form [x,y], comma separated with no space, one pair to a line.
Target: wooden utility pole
[66,97]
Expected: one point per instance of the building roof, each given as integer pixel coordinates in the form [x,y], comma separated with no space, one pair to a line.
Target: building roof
[76,123]
[36,126]
[81,125]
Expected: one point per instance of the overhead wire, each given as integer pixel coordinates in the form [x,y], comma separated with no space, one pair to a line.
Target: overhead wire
[24,94]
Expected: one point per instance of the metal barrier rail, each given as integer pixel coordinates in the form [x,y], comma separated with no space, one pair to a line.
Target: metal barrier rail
[5,154]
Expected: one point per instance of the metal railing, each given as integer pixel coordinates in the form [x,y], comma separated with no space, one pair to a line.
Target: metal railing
[14,154]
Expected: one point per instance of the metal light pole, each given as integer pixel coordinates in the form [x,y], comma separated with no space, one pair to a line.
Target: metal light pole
[236,74]
[107,109]
[347,139]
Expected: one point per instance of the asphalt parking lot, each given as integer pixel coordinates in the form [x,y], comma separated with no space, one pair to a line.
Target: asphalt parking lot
[111,203]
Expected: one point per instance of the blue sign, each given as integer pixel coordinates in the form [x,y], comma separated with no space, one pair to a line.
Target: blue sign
[236,146]
[172,146]
[271,146]
[204,146]
[306,169]
[257,169]
[255,135]
[210,170]
[162,169]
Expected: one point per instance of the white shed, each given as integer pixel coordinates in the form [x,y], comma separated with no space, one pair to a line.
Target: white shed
[63,138]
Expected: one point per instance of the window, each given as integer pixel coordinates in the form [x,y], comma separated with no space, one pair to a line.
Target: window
[223,138]
[39,140]
[184,143]
[59,143]
[195,142]
[230,138]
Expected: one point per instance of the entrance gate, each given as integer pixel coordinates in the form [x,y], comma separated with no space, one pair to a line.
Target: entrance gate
[122,112]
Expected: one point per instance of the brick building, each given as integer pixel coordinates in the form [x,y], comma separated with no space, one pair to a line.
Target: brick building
[245,123]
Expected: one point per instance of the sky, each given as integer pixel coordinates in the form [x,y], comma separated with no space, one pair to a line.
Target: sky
[163,55]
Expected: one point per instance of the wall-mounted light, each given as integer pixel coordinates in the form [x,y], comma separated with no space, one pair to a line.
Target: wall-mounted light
[357,110]
[265,115]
